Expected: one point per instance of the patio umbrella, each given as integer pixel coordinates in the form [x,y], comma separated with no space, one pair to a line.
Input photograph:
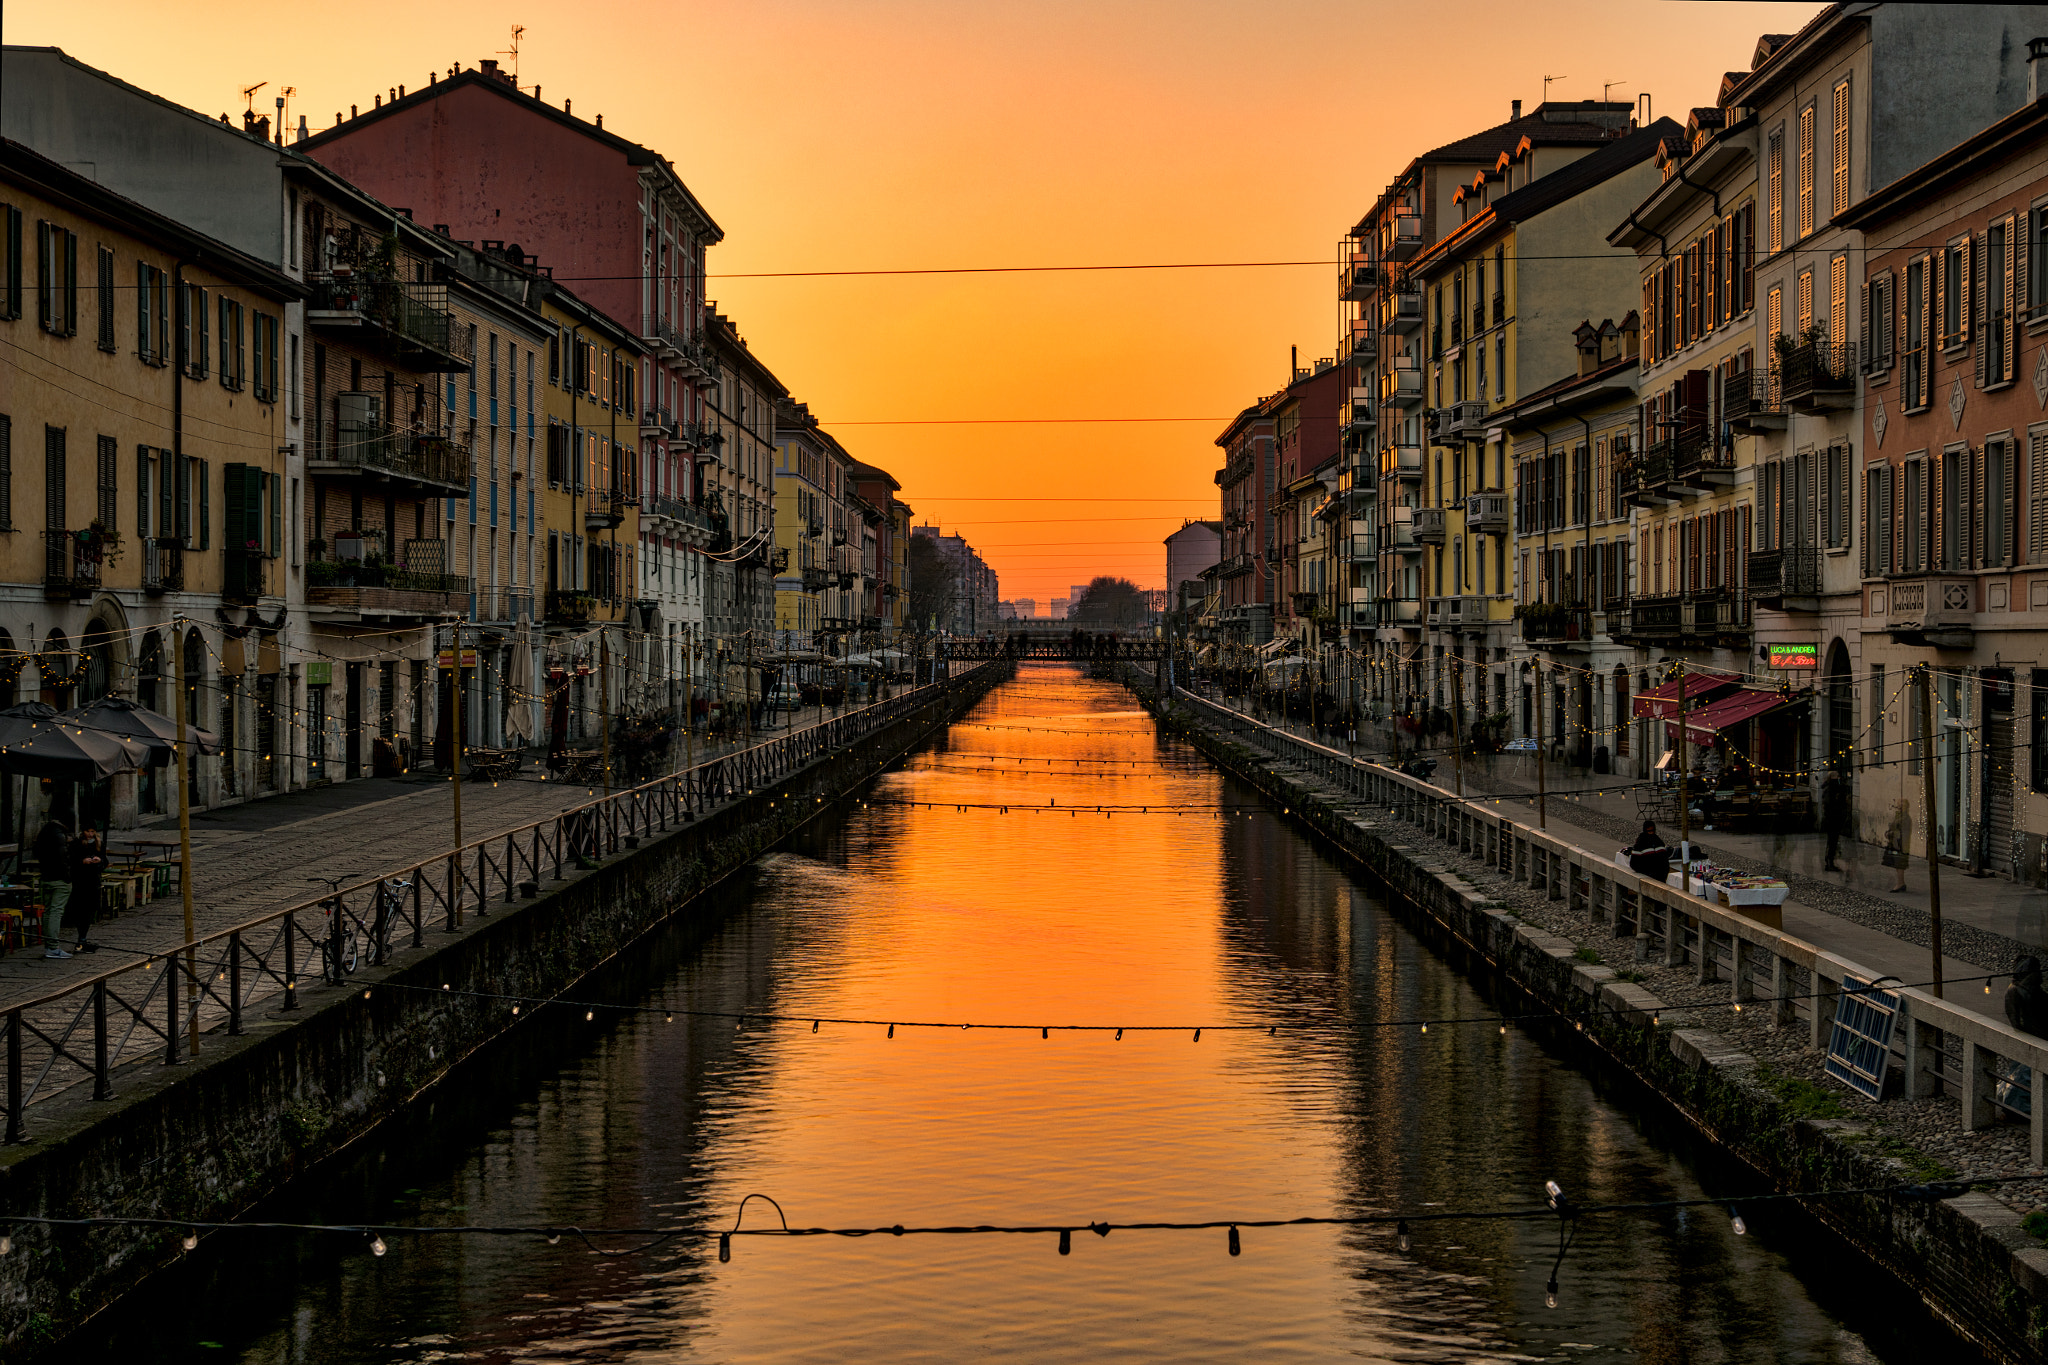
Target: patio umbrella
[519,724]
[129,720]
[37,742]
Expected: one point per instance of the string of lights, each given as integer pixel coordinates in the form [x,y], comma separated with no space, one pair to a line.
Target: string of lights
[1403,1223]
[740,1019]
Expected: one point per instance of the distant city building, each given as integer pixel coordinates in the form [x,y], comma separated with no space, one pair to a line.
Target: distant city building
[1059,608]
[1027,608]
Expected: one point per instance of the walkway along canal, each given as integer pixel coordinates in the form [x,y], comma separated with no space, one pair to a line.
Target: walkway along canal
[111,1112]
[967,885]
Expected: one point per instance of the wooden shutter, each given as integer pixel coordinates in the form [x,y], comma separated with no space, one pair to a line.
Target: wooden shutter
[2009,332]
[2037,497]
[1840,168]
[1845,486]
[2015,518]
[53,479]
[142,491]
[1870,523]
[1976,262]
[108,483]
[45,293]
[6,472]
[1869,355]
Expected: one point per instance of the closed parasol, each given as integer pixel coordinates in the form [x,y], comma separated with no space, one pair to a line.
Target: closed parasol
[132,721]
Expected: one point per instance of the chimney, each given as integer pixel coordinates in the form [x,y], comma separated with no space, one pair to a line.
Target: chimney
[302,127]
[2037,52]
[1515,109]
[489,66]
[1587,339]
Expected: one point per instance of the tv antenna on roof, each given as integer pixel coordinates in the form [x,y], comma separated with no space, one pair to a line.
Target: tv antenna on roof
[1606,88]
[518,32]
[1546,86]
[249,93]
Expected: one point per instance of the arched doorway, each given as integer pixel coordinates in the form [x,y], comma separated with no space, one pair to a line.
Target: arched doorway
[150,692]
[1841,715]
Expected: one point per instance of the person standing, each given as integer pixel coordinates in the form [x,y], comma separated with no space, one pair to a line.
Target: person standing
[1834,815]
[88,864]
[1897,836]
[53,867]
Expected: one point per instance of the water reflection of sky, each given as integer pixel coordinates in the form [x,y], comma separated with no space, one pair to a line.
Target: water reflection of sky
[902,912]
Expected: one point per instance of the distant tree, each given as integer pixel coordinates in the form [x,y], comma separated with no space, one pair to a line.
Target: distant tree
[1111,604]
[934,584]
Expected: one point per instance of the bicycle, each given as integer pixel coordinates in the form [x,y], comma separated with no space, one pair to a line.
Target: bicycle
[344,941]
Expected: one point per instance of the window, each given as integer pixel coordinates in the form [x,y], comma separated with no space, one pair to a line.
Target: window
[1997,504]
[152,313]
[57,279]
[1838,299]
[2035,255]
[1500,367]
[106,299]
[1913,517]
[142,492]
[1835,497]
[1915,383]
[2037,496]
[233,320]
[263,355]
[192,330]
[1776,172]
[1838,164]
[1996,354]
[1951,493]
[109,508]
[1877,521]
[1953,293]
[1806,171]
[10,261]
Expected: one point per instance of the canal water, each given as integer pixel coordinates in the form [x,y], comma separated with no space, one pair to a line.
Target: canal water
[967,889]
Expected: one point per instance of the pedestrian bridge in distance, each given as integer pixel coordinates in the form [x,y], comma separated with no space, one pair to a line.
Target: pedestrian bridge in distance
[1077,646]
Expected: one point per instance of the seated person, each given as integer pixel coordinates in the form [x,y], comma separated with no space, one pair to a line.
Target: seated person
[1648,856]
[1648,839]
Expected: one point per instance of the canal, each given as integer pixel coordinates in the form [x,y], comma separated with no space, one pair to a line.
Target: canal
[1200,909]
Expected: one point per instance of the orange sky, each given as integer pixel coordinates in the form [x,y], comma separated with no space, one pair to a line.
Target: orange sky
[921,133]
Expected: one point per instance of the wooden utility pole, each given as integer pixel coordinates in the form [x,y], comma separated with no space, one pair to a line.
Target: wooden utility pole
[1684,813]
[180,754]
[1927,792]
[1542,755]
[455,710]
[1458,719]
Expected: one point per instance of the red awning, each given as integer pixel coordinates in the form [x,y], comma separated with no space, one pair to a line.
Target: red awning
[1744,704]
[1699,687]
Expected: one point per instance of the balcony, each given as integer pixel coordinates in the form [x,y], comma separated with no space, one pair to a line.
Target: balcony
[1359,415]
[1654,618]
[1403,387]
[1304,603]
[1487,513]
[71,564]
[1232,566]
[1719,616]
[1474,611]
[1785,580]
[1403,312]
[569,608]
[241,575]
[1360,612]
[815,578]
[1401,611]
[507,605]
[1555,623]
[1932,609]
[1753,403]
[1404,462]
[1405,237]
[163,565]
[431,463]
[1365,545]
[1429,525]
[407,321]
[1358,281]
[658,422]
[1437,423]
[1819,377]
[606,508]
[663,338]
[1645,480]
[1699,462]
[368,588]
[698,355]
[1468,420]
[1401,537]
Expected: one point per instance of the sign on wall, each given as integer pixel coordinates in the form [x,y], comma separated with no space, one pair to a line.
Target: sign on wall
[1794,655]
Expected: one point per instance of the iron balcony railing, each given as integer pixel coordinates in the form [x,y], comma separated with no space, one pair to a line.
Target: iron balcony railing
[1778,574]
[241,578]
[71,564]
[1819,375]
[569,607]
[1754,402]
[1696,457]
[424,455]
[1716,613]
[406,311]
[1657,617]
[163,565]
[1555,621]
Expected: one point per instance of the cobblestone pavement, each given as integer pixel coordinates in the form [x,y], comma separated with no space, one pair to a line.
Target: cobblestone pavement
[264,855]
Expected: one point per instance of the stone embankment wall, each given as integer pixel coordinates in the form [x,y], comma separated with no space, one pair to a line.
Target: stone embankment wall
[208,1139]
[1969,1257]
